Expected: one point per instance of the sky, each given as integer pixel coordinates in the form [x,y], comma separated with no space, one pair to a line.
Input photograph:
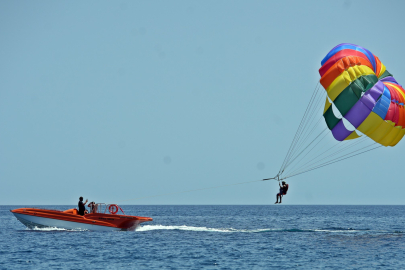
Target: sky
[120,100]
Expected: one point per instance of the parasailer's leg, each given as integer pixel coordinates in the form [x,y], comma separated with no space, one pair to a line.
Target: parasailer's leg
[278,196]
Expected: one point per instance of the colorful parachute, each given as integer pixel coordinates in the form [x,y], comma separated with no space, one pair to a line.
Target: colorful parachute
[362,98]
[364,93]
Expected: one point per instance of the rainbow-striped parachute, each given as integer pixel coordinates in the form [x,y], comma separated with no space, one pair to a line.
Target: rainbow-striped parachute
[362,100]
[360,91]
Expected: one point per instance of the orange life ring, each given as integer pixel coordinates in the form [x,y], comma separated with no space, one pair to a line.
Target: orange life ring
[113,208]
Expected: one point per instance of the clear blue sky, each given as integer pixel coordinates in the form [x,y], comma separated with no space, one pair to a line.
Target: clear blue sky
[113,100]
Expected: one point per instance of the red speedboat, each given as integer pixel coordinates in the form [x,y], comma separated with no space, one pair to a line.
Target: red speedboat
[99,220]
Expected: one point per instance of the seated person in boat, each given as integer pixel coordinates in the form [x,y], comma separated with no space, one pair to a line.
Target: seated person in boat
[93,207]
[82,206]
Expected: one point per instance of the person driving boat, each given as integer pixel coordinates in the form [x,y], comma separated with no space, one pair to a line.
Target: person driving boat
[82,206]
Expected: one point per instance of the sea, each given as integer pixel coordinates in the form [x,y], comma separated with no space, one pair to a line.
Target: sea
[217,237]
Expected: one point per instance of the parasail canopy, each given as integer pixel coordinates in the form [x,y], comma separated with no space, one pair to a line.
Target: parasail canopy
[362,99]
[364,93]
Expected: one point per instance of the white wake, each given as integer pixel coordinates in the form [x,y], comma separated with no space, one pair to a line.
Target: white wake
[49,229]
[145,228]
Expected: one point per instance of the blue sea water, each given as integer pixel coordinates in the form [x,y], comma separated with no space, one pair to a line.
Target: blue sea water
[218,237]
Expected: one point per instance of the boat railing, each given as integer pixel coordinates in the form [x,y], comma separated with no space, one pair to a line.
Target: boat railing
[98,208]
[103,208]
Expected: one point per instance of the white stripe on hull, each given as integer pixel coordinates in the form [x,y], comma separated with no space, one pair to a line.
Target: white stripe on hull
[41,222]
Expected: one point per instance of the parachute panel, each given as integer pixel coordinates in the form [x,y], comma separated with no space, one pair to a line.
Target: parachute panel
[345,79]
[352,136]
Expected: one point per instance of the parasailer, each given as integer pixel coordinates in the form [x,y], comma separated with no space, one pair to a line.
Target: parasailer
[282,192]
[362,101]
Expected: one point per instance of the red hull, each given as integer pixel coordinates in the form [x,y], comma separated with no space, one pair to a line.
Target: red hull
[122,222]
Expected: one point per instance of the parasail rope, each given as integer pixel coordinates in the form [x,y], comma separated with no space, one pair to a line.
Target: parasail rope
[301,129]
[306,133]
[340,147]
[191,190]
[307,149]
[310,131]
[317,143]
[332,161]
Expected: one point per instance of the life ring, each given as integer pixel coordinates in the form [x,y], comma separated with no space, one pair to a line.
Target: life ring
[113,209]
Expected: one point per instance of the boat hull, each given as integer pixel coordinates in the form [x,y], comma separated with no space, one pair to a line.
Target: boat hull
[70,220]
[33,222]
